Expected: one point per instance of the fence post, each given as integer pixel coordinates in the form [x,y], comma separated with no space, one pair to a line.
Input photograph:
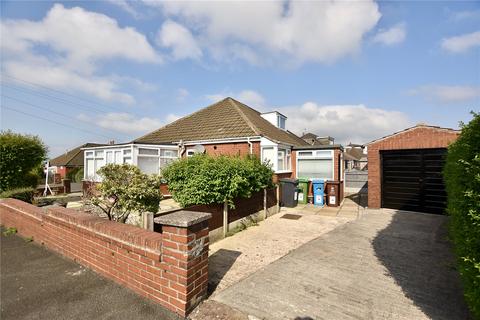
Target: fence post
[225,219]
[265,203]
[147,220]
[278,198]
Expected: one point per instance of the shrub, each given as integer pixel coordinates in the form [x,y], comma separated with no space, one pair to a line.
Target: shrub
[462,178]
[24,194]
[78,176]
[203,179]
[124,190]
[20,155]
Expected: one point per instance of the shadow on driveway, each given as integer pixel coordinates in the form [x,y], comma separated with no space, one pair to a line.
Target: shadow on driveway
[416,252]
[218,265]
[39,284]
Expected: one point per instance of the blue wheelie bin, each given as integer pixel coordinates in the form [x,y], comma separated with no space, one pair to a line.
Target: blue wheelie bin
[318,191]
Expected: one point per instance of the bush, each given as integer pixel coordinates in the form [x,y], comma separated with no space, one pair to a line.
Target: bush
[124,190]
[203,179]
[78,176]
[20,155]
[462,179]
[24,194]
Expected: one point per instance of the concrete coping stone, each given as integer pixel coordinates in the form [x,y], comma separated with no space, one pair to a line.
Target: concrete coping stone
[183,218]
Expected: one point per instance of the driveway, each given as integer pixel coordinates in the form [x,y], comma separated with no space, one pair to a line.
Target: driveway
[39,284]
[384,265]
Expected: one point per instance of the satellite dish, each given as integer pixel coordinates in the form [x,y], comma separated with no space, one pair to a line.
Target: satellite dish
[199,148]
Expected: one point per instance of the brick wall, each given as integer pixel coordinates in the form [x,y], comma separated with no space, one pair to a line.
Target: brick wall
[232,149]
[170,268]
[420,137]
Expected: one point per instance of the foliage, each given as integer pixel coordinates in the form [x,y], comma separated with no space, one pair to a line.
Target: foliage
[20,155]
[204,179]
[24,194]
[462,178]
[78,176]
[124,190]
[10,231]
[72,174]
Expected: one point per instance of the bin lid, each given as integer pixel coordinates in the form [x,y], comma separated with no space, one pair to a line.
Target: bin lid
[318,181]
[289,180]
[303,180]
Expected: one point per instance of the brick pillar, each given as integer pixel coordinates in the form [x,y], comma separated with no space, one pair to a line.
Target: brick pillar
[185,257]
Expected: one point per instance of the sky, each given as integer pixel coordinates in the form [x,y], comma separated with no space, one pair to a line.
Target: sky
[95,71]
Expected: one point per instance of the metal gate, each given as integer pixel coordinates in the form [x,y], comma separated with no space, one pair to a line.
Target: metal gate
[412,180]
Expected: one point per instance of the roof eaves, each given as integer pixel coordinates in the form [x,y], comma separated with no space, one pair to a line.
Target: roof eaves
[412,128]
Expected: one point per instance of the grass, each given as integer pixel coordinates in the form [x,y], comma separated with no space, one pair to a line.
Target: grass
[247,223]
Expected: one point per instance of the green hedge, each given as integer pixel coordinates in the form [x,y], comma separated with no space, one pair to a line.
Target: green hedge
[204,179]
[24,194]
[20,157]
[462,179]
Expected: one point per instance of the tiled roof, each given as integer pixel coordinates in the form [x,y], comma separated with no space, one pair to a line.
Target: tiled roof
[225,119]
[73,157]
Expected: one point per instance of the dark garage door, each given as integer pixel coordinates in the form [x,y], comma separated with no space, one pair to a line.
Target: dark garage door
[412,180]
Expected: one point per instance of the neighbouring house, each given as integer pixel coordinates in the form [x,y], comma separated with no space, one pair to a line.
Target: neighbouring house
[227,127]
[355,157]
[314,140]
[72,160]
[405,169]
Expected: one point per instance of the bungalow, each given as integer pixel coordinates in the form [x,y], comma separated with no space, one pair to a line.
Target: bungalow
[72,160]
[227,127]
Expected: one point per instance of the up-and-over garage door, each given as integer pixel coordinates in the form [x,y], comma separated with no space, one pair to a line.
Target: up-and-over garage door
[412,180]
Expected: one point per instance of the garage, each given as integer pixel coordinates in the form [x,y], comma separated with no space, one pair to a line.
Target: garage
[405,169]
[412,180]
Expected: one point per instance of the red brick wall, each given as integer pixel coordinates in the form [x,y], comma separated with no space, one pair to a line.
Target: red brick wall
[167,268]
[62,171]
[415,138]
[232,149]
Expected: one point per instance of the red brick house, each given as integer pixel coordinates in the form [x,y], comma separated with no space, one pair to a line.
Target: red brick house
[227,127]
[405,169]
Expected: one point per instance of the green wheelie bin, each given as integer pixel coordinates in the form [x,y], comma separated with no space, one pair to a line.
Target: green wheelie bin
[303,190]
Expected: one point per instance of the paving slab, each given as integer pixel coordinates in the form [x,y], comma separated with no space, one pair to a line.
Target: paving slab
[39,284]
[383,265]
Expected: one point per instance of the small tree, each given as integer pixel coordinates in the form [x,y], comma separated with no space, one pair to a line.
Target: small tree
[20,158]
[125,190]
[203,179]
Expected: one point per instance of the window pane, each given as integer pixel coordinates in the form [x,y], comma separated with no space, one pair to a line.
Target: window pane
[150,152]
[109,157]
[169,153]
[289,162]
[118,157]
[323,154]
[148,164]
[89,153]
[305,153]
[127,160]
[315,168]
[127,152]
[99,154]
[90,169]
[268,155]
[281,160]
[165,162]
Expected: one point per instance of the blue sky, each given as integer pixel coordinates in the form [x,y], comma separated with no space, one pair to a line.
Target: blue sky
[91,71]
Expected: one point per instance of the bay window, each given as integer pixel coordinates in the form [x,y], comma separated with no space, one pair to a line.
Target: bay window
[148,160]
[279,158]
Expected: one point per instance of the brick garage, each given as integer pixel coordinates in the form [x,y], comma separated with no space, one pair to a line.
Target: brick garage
[412,140]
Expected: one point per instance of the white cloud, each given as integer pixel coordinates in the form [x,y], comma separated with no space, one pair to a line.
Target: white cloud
[65,48]
[447,94]
[249,97]
[289,33]
[391,36]
[346,123]
[182,94]
[180,40]
[465,15]
[126,6]
[127,123]
[462,43]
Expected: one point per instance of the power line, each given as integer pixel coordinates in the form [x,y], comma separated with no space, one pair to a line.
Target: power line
[55,112]
[56,90]
[53,121]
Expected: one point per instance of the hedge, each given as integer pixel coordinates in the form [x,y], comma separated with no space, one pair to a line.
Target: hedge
[20,157]
[203,179]
[24,194]
[462,179]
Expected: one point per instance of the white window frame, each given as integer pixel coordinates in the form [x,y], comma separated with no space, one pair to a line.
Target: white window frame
[314,155]
[190,152]
[287,153]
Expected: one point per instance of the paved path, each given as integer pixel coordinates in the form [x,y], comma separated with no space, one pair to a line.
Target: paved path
[39,284]
[384,265]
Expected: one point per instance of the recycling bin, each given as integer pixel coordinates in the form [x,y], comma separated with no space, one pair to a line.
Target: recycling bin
[289,192]
[318,192]
[333,193]
[303,190]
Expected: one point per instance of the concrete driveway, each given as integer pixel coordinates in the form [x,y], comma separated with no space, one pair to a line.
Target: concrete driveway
[384,265]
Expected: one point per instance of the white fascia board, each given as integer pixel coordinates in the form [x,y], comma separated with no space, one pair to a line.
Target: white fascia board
[264,142]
